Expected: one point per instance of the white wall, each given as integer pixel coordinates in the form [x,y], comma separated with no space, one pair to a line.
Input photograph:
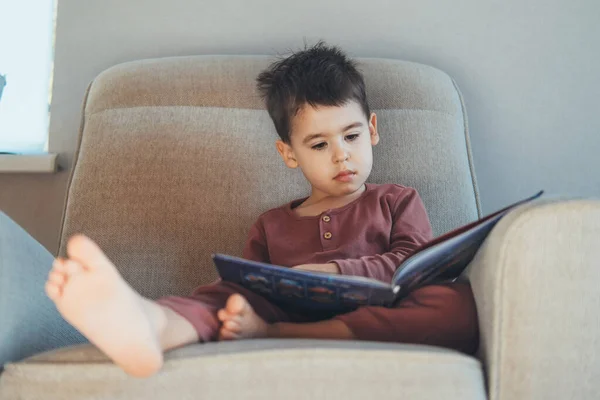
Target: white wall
[528,69]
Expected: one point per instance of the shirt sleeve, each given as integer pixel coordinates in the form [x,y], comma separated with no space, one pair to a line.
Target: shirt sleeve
[410,229]
[256,246]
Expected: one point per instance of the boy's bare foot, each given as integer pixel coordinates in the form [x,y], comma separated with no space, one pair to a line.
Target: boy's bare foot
[91,295]
[240,321]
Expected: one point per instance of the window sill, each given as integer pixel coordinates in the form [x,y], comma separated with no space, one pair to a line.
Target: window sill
[28,163]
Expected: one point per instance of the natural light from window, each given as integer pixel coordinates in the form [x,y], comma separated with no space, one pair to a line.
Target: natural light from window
[26,62]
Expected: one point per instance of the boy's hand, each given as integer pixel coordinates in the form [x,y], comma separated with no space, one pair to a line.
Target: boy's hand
[331,268]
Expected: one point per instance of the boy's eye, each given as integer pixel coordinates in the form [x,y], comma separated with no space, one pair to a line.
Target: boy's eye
[319,146]
[353,136]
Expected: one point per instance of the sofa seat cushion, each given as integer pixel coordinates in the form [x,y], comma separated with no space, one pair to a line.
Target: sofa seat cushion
[255,369]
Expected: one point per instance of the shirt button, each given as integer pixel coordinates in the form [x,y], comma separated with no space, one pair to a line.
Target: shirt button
[326,218]
[327,235]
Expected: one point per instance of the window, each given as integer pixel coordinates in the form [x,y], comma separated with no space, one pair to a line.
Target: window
[26,62]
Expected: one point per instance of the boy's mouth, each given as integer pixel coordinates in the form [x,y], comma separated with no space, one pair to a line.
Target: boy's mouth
[345,176]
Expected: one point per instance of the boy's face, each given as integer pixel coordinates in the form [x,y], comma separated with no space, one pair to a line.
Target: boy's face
[332,146]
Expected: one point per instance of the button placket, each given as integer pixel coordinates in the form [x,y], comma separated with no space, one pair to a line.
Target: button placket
[326,234]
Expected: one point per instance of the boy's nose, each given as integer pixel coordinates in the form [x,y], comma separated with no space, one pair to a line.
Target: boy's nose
[341,155]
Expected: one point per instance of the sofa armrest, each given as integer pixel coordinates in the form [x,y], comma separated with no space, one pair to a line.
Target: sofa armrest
[536,283]
[29,321]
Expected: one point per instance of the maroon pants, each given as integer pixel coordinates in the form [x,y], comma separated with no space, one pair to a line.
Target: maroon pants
[439,315]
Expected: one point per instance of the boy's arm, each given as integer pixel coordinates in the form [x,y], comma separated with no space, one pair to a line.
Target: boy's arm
[410,229]
[256,246]
[331,268]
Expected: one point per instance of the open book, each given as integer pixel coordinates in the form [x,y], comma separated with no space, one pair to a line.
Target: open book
[443,258]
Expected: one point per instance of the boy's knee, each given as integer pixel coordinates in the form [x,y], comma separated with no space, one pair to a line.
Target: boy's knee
[453,297]
[457,316]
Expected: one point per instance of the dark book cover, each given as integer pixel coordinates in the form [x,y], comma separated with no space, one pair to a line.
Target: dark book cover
[444,258]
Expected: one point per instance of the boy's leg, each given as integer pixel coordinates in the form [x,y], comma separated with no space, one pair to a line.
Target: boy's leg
[133,331]
[329,329]
[439,315]
[91,295]
[442,315]
[202,307]
[240,321]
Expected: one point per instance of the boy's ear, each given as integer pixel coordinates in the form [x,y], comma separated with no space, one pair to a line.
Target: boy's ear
[287,154]
[373,129]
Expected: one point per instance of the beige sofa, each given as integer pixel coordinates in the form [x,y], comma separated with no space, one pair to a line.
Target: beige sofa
[176,159]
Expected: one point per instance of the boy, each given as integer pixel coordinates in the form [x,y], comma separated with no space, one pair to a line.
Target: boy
[316,99]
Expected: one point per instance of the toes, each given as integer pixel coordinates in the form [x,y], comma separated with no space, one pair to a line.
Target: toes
[52,291]
[225,334]
[235,304]
[81,248]
[59,264]
[72,267]
[239,320]
[222,315]
[232,326]
[56,277]
[230,330]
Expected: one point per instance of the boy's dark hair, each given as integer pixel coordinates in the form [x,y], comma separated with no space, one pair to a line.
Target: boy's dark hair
[319,76]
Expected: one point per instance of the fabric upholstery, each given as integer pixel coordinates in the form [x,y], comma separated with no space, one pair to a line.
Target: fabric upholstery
[256,369]
[177,159]
[536,286]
